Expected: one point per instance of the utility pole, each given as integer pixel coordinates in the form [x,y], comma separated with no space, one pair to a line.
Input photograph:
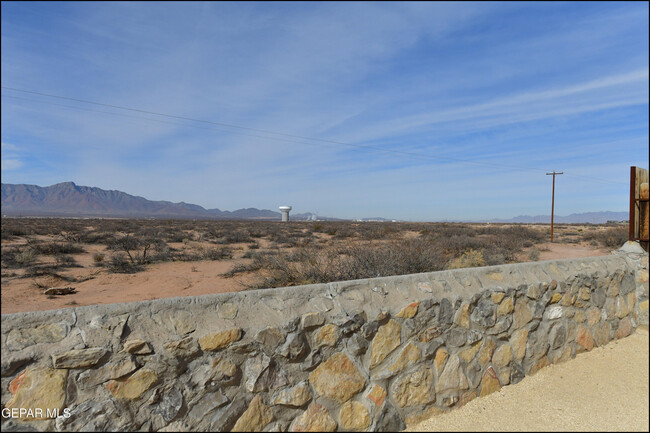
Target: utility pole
[553,199]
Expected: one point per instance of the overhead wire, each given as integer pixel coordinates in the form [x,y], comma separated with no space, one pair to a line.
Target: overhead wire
[320,140]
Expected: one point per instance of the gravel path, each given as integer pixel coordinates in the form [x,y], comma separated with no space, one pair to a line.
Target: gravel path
[602,390]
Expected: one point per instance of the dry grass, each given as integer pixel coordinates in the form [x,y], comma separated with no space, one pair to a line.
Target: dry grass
[277,254]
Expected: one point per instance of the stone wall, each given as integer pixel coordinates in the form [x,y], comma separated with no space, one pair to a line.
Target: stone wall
[364,355]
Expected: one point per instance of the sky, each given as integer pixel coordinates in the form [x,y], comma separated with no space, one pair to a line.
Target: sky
[422,111]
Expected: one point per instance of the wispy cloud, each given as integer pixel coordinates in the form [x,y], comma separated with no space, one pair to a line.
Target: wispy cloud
[465,98]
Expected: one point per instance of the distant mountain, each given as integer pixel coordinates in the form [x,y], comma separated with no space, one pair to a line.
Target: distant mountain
[587,217]
[68,199]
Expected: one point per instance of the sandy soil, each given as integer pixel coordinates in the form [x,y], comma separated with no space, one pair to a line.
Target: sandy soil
[167,280]
[602,390]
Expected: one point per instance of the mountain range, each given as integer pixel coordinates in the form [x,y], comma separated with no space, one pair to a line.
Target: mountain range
[586,217]
[70,200]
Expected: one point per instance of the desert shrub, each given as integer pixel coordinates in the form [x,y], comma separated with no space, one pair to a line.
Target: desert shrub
[310,265]
[64,260]
[94,237]
[533,254]
[121,264]
[137,249]
[25,257]
[223,253]
[469,259]
[98,258]
[236,237]
[55,248]
[613,237]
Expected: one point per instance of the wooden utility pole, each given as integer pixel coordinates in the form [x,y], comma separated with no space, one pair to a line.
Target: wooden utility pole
[553,199]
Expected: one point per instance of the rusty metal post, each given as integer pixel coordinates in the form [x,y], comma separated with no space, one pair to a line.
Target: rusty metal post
[631,217]
[553,200]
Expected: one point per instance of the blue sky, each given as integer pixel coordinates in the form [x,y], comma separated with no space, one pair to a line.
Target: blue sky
[416,111]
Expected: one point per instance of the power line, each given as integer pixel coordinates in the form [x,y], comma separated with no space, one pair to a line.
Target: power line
[360,146]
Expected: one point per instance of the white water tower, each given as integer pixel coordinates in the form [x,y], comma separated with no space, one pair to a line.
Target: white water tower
[285,212]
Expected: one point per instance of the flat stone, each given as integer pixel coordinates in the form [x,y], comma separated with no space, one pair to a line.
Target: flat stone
[554,312]
[409,355]
[456,337]
[462,315]
[170,404]
[518,342]
[261,374]
[42,388]
[223,368]
[255,417]
[484,313]
[133,386]
[337,378]
[119,365]
[584,293]
[328,335]
[387,339]
[81,358]
[543,362]
[429,334]
[497,297]
[184,348]
[414,388]
[377,395]
[220,340]
[489,383]
[631,300]
[601,333]
[270,337]
[137,346]
[624,328]
[556,298]
[296,396]
[502,325]
[316,418]
[18,339]
[311,320]
[354,416]
[593,316]
[533,292]
[440,359]
[502,356]
[357,345]
[598,297]
[621,307]
[452,377]
[468,354]
[445,312]
[584,339]
[295,347]
[409,311]
[558,336]
[523,313]
[505,307]
[486,352]
[11,363]
[504,375]
[568,299]
[207,404]
[580,316]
